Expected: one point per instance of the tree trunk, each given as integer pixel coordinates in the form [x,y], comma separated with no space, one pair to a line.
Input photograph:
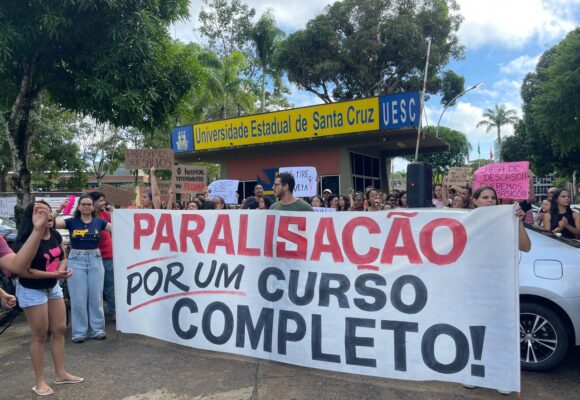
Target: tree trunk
[498,144]
[263,89]
[18,137]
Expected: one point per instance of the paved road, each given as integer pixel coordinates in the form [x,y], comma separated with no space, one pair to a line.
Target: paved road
[132,367]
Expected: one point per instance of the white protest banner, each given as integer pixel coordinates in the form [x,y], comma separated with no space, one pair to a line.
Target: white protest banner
[7,205]
[305,178]
[55,202]
[323,209]
[224,188]
[511,180]
[421,295]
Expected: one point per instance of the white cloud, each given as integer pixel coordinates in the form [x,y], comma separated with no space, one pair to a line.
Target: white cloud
[520,66]
[513,23]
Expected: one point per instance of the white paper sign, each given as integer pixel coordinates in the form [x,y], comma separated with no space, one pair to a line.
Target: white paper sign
[7,205]
[324,209]
[305,178]
[224,188]
[55,202]
[415,295]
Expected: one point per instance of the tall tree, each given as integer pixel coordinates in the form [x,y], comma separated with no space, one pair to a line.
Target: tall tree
[113,60]
[227,26]
[267,37]
[362,48]
[551,108]
[497,117]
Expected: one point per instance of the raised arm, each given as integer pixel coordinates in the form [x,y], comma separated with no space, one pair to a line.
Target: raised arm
[19,262]
[155,194]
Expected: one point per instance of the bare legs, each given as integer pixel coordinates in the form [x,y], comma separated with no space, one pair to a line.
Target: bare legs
[51,315]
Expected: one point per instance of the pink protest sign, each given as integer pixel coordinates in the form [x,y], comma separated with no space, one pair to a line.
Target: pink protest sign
[509,179]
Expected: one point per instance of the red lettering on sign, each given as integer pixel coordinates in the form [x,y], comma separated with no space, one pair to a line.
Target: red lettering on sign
[325,230]
[401,227]
[222,227]
[285,233]
[139,230]
[269,236]
[192,234]
[348,240]
[459,241]
[243,249]
[164,233]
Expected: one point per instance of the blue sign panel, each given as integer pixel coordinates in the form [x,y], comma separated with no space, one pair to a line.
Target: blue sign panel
[182,139]
[399,110]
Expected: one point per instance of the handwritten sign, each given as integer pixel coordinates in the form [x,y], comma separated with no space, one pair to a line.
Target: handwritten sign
[55,202]
[510,179]
[116,196]
[224,188]
[148,158]
[7,205]
[460,176]
[305,178]
[189,178]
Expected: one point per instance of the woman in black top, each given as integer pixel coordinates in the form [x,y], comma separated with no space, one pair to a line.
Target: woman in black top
[561,218]
[41,298]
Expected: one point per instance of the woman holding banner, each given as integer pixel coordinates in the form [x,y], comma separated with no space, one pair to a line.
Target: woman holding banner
[486,196]
[86,285]
[561,219]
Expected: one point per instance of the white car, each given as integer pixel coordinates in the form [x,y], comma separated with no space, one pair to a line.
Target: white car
[549,299]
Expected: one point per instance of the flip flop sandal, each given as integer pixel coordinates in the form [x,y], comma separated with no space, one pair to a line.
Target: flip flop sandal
[39,393]
[69,382]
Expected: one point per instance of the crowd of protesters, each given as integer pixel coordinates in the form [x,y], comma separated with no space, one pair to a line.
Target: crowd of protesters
[41,258]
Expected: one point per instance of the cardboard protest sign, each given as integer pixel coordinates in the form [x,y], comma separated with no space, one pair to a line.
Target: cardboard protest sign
[147,158]
[190,178]
[305,178]
[116,196]
[224,188]
[396,294]
[510,180]
[460,176]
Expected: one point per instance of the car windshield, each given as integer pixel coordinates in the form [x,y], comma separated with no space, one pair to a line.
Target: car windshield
[571,242]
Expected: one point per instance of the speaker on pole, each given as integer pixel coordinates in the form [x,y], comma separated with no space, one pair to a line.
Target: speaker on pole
[419,185]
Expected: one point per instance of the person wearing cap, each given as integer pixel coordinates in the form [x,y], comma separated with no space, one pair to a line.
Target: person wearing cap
[551,192]
[325,195]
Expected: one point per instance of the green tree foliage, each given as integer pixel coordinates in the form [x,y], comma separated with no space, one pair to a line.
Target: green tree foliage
[267,38]
[451,86]
[516,147]
[497,117]
[551,106]
[227,26]
[113,60]
[459,148]
[361,48]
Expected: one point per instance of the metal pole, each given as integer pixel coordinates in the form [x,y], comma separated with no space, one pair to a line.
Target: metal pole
[451,102]
[423,99]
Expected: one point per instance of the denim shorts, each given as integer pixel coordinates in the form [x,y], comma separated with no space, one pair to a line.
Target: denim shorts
[35,297]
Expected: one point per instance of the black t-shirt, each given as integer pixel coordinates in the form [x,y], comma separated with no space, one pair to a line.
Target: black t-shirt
[47,258]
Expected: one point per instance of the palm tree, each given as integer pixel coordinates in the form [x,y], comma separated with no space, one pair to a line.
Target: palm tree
[497,118]
[266,36]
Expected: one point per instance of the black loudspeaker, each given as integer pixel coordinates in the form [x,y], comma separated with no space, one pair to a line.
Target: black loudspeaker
[419,185]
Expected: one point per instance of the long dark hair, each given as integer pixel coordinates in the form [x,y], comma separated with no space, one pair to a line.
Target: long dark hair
[346,200]
[480,190]
[554,206]
[78,210]
[26,225]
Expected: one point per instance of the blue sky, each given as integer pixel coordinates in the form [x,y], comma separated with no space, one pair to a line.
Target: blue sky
[503,40]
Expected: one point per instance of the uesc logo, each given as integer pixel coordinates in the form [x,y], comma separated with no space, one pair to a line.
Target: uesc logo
[182,142]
